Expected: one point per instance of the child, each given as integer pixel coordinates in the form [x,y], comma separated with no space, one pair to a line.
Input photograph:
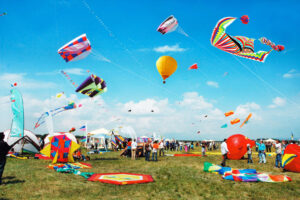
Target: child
[249,152]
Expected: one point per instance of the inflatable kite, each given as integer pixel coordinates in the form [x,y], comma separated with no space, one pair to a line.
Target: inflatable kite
[92,86]
[237,45]
[237,146]
[246,120]
[194,66]
[166,66]
[229,113]
[121,178]
[54,112]
[169,25]
[291,158]
[76,49]
[235,121]
[60,149]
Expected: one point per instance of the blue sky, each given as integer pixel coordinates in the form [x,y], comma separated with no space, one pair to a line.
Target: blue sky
[32,31]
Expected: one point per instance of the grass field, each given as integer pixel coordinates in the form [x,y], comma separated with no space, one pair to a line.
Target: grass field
[174,178]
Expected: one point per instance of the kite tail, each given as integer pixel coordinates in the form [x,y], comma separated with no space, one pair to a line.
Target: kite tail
[268,42]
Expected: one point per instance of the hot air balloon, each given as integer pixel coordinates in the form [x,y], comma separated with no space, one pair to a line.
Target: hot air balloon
[166,66]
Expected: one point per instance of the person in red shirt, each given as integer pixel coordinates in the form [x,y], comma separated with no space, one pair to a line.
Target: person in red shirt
[129,148]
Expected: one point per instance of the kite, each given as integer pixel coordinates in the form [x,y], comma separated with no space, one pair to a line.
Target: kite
[54,112]
[166,66]
[121,178]
[235,121]
[58,95]
[245,19]
[92,86]
[224,126]
[246,120]
[237,45]
[237,146]
[69,78]
[265,41]
[198,132]
[17,126]
[291,158]
[60,149]
[169,25]
[76,49]
[3,14]
[229,113]
[194,66]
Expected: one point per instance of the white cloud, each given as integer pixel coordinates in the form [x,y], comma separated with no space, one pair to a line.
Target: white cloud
[277,102]
[244,110]
[212,84]
[292,74]
[75,71]
[167,48]
[194,101]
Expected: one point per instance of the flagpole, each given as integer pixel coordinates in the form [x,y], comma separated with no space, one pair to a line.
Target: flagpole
[86,136]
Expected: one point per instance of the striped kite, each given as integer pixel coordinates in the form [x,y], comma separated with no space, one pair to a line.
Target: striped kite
[238,45]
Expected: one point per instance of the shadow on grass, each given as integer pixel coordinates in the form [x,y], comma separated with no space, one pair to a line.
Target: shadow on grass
[8,177]
[13,182]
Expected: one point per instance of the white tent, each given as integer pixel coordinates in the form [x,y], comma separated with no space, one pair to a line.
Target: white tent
[101,138]
[100,131]
[19,147]
[270,140]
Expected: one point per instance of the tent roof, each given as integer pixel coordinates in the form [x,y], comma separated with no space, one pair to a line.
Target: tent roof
[99,136]
[99,131]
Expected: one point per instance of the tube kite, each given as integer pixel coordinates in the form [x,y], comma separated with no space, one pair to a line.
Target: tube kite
[237,45]
[246,120]
[76,49]
[235,121]
[229,113]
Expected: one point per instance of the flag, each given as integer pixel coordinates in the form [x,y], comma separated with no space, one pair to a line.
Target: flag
[113,141]
[83,128]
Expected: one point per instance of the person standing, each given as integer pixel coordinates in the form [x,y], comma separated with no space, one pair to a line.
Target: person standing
[147,150]
[129,148]
[203,149]
[224,151]
[249,152]
[161,148]
[261,151]
[154,151]
[133,149]
[4,148]
[278,151]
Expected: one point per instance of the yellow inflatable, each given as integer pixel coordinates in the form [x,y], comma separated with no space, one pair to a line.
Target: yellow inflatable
[166,66]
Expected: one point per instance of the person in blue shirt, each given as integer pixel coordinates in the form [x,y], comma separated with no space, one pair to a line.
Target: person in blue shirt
[261,152]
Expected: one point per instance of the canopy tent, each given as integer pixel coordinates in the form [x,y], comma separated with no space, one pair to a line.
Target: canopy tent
[21,147]
[99,138]
[270,140]
[99,131]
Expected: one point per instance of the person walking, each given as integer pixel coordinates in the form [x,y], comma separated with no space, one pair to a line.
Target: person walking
[249,152]
[161,148]
[154,150]
[224,151]
[278,151]
[261,152]
[4,148]
[133,149]
[147,150]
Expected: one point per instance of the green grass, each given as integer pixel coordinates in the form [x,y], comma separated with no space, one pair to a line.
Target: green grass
[174,178]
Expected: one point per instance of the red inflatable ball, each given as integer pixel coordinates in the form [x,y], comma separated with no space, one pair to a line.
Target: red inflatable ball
[291,158]
[237,146]
[245,19]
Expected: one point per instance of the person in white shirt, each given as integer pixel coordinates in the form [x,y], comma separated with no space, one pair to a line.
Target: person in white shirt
[224,151]
[278,154]
[133,149]
[161,148]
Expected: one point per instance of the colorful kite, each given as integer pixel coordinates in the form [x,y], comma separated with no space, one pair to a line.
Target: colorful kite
[60,149]
[229,113]
[17,126]
[246,120]
[224,126]
[291,158]
[54,112]
[237,146]
[169,25]
[92,86]
[166,66]
[76,49]
[245,19]
[235,121]
[121,178]
[236,45]
[194,66]
[58,95]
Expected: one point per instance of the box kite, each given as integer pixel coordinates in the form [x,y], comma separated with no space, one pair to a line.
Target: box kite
[76,49]
[121,178]
[60,149]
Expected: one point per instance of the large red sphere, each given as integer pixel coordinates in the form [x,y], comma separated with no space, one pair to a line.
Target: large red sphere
[291,158]
[237,146]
